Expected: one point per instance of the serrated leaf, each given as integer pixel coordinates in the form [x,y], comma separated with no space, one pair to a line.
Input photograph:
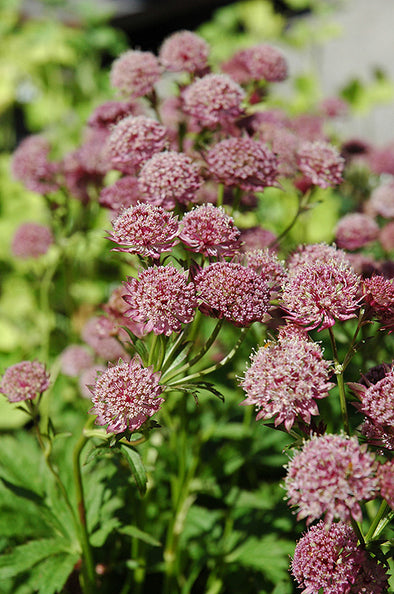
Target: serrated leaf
[141,535]
[25,556]
[137,468]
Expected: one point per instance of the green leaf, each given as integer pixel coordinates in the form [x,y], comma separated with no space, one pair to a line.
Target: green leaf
[141,535]
[50,576]
[25,556]
[137,467]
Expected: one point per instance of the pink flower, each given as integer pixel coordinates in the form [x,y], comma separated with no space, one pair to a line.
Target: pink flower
[75,359]
[377,436]
[145,229]
[133,141]
[234,292]
[87,378]
[321,163]
[386,236]
[264,62]
[243,162]
[31,240]
[110,113]
[125,396]
[24,381]
[377,400]
[386,481]
[169,178]
[267,264]
[284,145]
[31,166]
[101,333]
[210,231]
[184,51]
[135,73]
[355,230]
[122,194]
[213,100]
[331,475]
[381,160]
[334,107]
[379,294]
[381,201]
[256,238]
[285,379]
[316,294]
[161,298]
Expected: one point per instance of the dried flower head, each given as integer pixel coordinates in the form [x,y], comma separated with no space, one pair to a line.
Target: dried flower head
[318,293]
[126,395]
[120,195]
[184,51]
[31,240]
[101,333]
[24,381]
[379,294]
[285,379]
[386,481]
[213,100]
[331,475]
[161,298]
[145,229]
[355,230]
[169,178]
[320,163]
[243,162]
[74,360]
[135,73]
[133,141]
[234,292]
[208,230]
[381,201]
[30,165]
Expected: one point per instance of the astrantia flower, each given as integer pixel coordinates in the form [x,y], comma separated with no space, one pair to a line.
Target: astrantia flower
[379,294]
[381,160]
[331,475]
[184,51]
[256,238]
[264,62]
[234,292]
[169,178]
[31,240]
[377,400]
[321,163]
[267,264]
[122,194]
[31,166]
[208,230]
[87,378]
[285,379]
[381,201]
[100,334]
[386,481]
[333,107]
[355,230]
[283,143]
[144,229]
[110,113]
[386,236]
[135,73]
[133,141]
[126,395]
[371,578]
[24,381]
[75,359]
[317,294]
[243,162]
[327,558]
[376,435]
[161,298]
[214,99]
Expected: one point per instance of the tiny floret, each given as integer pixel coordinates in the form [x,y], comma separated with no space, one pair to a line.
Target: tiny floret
[24,381]
[135,73]
[126,395]
[184,51]
[320,163]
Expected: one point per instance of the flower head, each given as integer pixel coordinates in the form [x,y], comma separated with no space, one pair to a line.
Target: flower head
[256,238]
[234,292]
[31,166]
[381,201]
[144,229]
[135,73]
[313,252]
[161,298]
[122,194]
[100,333]
[184,51]
[267,264]
[264,62]
[110,113]
[125,396]
[386,481]
[321,163]
[355,230]
[169,178]
[243,162]
[386,236]
[377,400]
[133,141]
[331,475]
[31,240]
[24,381]
[213,100]
[379,294]
[208,230]
[285,379]
[74,360]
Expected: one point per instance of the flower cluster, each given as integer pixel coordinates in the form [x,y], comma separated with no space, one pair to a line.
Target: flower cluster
[24,381]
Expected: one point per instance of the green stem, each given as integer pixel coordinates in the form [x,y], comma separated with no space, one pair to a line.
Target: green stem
[301,208]
[341,384]
[372,529]
[358,532]
[219,200]
[152,351]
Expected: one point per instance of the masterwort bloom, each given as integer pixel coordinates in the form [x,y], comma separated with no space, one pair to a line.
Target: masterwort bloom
[377,400]
[74,360]
[101,333]
[144,229]
[331,475]
[209,230]
[134,140]
[110,113]
[266,263]
[386,481]
[320,163]
[264,62]
[126,395]
[214,100]
[316,294]
[234,292]
[329,558]
[31,240]
[120,195]
[184,51]
[161,298]
[285,379]
[313,252]
[135,73]
[381,201]
[169,178]
[355,230]
[30,165]
[379,294]
[24,381]
[243,162]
